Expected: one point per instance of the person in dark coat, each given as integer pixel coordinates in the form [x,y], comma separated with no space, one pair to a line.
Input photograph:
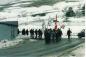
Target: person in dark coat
[53,35]
[23,32]
[47,36]
[57,35]
[50,30]
[60,34]
[27,32]
[36,33]
[40,34]
[18,31]
[32,33]
[69,33]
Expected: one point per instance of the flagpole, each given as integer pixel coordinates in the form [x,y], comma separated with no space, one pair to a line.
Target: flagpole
[55,23]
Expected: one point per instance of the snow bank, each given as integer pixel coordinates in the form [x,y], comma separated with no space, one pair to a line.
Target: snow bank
[9,43]
[76,52]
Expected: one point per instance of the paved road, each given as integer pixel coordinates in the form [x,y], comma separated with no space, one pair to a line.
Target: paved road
[39,48]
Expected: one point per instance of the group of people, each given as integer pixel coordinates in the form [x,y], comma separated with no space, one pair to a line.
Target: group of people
[24,32]
[49,34]
[33,33]
[36,33]
[52,35]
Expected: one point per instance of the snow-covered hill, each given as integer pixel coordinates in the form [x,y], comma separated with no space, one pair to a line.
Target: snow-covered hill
[21,11]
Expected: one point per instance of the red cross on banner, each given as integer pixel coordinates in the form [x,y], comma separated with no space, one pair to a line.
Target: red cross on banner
[55,23]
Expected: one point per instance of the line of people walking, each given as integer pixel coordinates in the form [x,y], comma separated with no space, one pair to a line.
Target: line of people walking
[36,33]
[50,35]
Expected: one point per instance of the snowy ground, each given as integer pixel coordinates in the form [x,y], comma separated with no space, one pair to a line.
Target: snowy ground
[78,51]
[9,43]
[38,48]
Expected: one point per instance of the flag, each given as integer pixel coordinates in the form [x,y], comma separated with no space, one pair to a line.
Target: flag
[43,25]
[50,20]
[62,26]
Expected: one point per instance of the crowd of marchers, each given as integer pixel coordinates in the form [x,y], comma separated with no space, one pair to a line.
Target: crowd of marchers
[55,35]
[49,34]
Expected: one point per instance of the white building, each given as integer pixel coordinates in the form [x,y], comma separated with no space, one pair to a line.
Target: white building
[8,29]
